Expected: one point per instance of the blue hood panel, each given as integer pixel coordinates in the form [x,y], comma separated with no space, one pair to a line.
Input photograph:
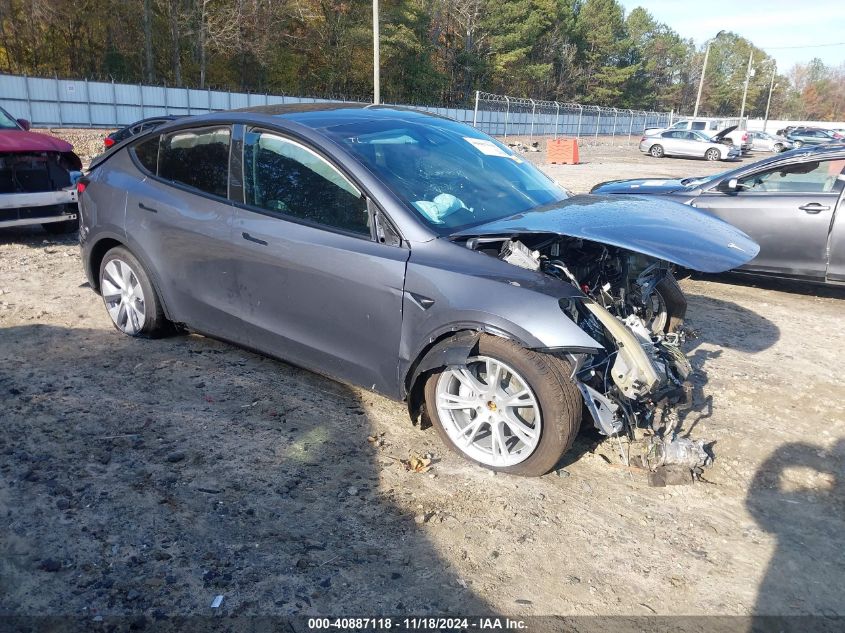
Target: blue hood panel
[641,186]
[658,228]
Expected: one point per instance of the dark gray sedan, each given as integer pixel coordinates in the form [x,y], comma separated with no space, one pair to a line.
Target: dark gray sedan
[791,204]
[411,255]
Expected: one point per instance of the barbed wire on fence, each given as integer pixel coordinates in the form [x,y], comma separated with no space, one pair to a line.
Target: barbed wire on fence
[503,115]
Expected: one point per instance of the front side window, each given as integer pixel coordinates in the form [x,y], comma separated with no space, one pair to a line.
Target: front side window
[198,158]
[284,176]
[812,177]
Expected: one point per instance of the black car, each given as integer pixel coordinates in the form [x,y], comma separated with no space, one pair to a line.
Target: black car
[136,128]
[787,203]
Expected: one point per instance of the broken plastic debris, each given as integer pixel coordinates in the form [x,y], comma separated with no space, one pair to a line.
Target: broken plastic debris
[215,604]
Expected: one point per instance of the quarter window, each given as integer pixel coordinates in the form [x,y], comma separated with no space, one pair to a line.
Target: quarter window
[198,158]
[147,154]
[283,176]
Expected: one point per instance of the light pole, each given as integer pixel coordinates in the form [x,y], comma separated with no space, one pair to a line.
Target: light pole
[376,79]
[772,85]
[703,70]
[745,90]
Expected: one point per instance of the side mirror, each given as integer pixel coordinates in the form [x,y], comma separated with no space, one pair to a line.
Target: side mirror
[25,124]
[733,184]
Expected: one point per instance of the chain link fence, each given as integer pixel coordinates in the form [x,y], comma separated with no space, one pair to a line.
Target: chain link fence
[501,115]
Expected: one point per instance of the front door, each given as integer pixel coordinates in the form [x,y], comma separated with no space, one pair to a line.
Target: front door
[788,210]
[314,286]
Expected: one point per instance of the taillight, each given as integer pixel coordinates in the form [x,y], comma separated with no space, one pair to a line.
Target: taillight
[108,141]
[80,186]
[745,137]
[643,138]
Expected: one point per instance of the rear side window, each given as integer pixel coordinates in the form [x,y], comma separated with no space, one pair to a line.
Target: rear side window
[699,125]
[198,158]
[147,154]
[283,176]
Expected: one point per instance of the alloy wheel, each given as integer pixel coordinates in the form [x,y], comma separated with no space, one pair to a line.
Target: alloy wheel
[489,411]
[123,296]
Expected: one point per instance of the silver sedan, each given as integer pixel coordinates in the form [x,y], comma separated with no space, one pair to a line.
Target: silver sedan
[687,143]
[765,142]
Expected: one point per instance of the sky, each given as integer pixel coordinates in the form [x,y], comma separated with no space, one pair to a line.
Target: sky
[769,24]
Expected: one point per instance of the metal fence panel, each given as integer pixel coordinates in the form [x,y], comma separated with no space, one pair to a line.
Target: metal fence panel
[82,103]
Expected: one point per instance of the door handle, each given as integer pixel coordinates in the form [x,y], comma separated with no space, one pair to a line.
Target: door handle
[146,208]
[814,207]
[249,238]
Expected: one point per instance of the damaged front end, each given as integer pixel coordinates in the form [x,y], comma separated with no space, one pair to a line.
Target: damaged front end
[38,187]
[620,254]
[637,383]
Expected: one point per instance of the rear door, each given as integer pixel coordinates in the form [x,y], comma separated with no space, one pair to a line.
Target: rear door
[315,286]
[180,220]
[788,210]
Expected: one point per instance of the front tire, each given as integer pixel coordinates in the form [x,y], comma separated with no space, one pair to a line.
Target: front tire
[713,154]
[778,148]
[131,301]
[656,151]
[508,408]
[670,306]
[798,144]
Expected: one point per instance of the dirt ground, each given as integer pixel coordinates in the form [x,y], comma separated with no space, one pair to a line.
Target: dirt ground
[148,477]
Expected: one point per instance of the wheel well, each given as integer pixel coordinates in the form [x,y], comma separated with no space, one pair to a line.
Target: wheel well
[98,252]
[415,378]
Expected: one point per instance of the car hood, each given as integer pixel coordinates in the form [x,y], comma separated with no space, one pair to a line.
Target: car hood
[640,185]
[21,141]
[657,228]
[721,134]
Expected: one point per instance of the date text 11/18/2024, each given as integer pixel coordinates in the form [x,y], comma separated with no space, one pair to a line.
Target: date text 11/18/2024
[417,624]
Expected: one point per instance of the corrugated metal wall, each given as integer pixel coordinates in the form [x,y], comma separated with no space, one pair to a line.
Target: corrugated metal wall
[71,103]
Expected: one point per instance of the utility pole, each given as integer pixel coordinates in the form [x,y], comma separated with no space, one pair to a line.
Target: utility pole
[376,79]
[703,70]
[771,88]
[745,90]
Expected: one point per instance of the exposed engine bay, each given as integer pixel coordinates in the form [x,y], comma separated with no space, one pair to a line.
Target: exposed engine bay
[36,171]
[634,387]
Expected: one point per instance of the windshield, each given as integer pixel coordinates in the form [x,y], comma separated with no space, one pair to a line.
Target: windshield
[453,176]
[7,121]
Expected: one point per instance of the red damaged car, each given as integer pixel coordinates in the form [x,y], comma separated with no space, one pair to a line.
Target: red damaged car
[38,175]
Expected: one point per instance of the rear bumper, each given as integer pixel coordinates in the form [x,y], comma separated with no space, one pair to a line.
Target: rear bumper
[18,209]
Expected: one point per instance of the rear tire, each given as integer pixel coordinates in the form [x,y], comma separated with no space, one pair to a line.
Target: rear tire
[556,399]
[130,298]
[798,144]
[656,151]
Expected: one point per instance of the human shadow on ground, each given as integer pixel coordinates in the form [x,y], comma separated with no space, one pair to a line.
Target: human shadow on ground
[798,496]
[146,478]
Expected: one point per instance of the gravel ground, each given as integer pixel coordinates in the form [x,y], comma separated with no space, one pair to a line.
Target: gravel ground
[148,477]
